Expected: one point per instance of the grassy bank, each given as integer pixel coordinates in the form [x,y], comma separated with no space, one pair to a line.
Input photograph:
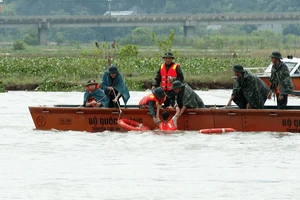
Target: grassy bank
[71,73]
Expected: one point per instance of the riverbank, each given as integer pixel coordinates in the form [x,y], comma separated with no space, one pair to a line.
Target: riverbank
[145,85]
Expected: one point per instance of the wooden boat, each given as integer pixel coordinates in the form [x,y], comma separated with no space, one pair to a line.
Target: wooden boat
[294,67]
[74,117]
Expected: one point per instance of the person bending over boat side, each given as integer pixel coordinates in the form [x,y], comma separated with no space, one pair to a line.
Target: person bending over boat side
[249,91]
[281,83]
[166,74]
[152,101]
[114,85]
[169,125]
[93,95]
[186,97]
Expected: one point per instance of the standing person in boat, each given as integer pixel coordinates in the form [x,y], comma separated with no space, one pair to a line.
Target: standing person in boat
[93,96]
[281,83]
[186,97]
[167,73]
[152,101]
[249,91]
[169,125]
[114,85]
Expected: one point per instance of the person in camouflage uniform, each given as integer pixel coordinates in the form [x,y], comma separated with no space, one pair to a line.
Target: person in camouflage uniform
[249,91]
[186,97]
[281,83]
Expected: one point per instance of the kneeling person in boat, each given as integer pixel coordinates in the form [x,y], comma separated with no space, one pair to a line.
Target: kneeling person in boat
[169,125]
[93,96]
[114,85]
[152,101]
[186,97]
[249,91]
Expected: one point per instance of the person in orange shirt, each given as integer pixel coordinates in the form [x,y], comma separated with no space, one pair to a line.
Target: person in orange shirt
[169,125]
[152,101]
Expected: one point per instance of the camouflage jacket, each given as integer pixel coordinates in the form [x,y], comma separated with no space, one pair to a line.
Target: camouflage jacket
[253,88]
[189,98]
[280,76]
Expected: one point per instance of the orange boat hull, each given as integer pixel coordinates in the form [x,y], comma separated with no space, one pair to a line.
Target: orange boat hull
[101,119]
[295,80]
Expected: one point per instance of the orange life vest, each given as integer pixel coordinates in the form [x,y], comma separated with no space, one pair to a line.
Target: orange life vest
[165,84]
[150,97]
[169,126]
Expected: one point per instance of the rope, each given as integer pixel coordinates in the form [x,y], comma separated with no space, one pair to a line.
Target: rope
[118,105]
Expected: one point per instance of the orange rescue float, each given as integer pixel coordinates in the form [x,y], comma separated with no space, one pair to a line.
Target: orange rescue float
[132,125]
[216,130]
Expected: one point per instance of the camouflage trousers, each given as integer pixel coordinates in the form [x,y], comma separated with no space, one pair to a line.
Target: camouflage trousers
[281,104]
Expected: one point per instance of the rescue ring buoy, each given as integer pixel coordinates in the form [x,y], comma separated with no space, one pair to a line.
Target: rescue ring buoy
[216,130]
[132,125]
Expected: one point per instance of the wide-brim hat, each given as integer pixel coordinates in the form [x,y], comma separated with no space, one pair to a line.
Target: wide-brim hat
[159,93]
[168,55]
[91,82]
[113,69]
[238,68]
[276,54]
[177,84]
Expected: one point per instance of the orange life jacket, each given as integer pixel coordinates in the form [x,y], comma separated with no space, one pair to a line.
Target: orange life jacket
[165,84]
[169,126]
[150,97]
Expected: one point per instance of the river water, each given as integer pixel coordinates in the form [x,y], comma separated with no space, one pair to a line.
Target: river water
[41,165]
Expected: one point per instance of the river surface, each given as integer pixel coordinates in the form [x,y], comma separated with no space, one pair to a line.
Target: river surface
[54,165]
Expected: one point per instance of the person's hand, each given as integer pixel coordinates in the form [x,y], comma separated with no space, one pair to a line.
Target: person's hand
[170,79]
[280,97]
[153,87]
[248,106]
[115,100]
[269,95]
[110,88]
[91,104]
[228,104]
[98,104]
[156,120]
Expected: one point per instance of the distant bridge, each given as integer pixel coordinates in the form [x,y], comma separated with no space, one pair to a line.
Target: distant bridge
[189,22]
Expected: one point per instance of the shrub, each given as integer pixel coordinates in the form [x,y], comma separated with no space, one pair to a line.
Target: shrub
[19,45]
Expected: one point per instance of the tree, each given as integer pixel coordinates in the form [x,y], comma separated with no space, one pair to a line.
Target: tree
[291,29]
[166,44]
[60,38]
[31,38]
[141,36]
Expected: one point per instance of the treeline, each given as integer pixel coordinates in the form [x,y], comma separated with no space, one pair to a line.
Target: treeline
[140,36]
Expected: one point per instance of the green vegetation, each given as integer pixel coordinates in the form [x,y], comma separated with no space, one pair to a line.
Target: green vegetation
[74,55]
[69,73]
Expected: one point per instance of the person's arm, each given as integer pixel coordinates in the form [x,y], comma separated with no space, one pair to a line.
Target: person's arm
[229,102]
[182,110]
[175,117]
[180,76]
[117,97]
[151,108]
[157,78]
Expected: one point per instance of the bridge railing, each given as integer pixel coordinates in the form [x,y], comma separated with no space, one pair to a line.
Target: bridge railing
[145,18]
